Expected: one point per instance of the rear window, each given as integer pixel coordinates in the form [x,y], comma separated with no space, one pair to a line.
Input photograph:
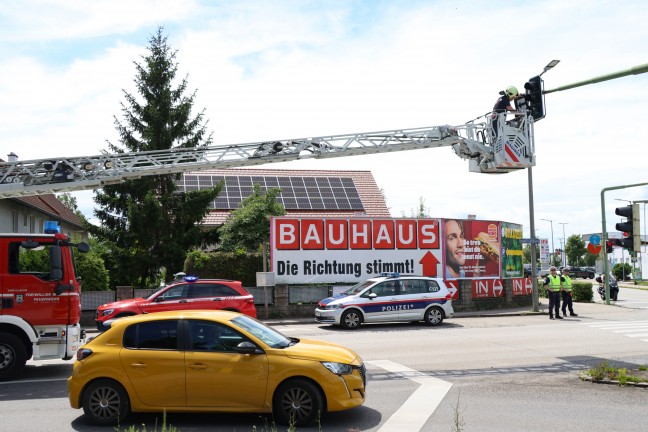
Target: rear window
[157,335]
[212,290]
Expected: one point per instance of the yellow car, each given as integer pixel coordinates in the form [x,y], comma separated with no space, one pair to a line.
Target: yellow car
[211,361]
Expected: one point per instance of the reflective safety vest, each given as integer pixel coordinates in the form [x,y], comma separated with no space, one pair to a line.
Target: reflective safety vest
[554,283]
[567,285]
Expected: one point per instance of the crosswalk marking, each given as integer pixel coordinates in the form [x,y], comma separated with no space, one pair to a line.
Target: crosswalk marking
[633,329]
[415,411]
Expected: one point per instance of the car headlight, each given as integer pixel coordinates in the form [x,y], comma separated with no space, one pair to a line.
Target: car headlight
[107,312]
[338,368]
[332,306]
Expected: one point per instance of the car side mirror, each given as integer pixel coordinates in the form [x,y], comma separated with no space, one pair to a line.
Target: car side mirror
[246,347]
[372,296]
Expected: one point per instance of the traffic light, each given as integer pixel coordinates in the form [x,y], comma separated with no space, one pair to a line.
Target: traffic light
[608,246]
[535,98]
[630,228]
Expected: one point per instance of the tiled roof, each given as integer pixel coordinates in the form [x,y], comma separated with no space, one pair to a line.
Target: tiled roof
[370,195]
[50,205]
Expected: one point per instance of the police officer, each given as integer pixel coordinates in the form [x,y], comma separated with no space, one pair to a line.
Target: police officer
[553,283]
[567,293]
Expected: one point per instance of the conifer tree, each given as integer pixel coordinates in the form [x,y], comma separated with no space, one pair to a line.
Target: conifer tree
[149,223]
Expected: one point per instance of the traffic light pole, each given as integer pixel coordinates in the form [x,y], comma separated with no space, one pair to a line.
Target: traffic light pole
[606,267]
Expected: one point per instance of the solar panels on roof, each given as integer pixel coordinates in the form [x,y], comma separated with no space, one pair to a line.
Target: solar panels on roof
[297,193]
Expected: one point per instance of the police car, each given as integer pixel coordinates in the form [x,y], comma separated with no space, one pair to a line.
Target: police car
[389,297]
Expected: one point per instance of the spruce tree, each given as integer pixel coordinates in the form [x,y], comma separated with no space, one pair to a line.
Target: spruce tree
[149,224]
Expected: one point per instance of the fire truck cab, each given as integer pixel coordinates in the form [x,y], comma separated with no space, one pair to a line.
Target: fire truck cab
[39,290]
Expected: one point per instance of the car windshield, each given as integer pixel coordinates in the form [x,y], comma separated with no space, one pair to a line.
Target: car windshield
[355,289]
[268,335]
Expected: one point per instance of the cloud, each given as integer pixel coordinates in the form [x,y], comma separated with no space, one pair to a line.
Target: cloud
[266,71]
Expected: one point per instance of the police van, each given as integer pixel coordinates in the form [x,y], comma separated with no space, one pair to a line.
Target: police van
[389,297]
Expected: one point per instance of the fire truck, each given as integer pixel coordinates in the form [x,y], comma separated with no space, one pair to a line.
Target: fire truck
[41,307]
[40,311]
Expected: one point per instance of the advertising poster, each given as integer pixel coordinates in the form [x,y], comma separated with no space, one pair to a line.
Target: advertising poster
[349,250]
[472,249]
[544,252]
[511,251]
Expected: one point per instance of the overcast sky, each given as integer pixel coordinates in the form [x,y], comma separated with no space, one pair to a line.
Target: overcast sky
[290,69]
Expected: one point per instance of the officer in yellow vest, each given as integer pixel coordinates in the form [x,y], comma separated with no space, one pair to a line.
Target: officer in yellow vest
[567,293]
[553,283]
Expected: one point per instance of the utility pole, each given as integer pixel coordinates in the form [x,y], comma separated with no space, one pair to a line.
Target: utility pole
[565,244]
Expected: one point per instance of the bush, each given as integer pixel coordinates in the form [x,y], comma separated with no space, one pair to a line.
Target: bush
[582,291]
[619,270]
[93,273]
[225,265]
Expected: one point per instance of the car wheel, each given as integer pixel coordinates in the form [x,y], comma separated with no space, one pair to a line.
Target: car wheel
[13,356]
[297,402]
[433,316]
[351,319]
[105,402]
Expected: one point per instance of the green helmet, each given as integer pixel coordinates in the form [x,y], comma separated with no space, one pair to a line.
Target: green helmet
[511,91]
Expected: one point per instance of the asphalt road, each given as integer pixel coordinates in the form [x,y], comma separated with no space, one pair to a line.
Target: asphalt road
[498,373]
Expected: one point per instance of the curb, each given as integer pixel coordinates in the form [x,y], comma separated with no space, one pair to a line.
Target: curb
[642,384]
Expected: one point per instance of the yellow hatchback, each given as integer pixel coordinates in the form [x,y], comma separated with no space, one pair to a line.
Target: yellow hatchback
[211,361]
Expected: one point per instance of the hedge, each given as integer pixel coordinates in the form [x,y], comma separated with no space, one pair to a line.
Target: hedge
[225,265]
[582,291]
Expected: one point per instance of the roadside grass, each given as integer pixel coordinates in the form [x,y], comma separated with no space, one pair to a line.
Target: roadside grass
[605,372]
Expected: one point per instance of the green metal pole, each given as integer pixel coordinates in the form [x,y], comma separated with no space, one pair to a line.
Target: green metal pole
[637,70]
[604,235]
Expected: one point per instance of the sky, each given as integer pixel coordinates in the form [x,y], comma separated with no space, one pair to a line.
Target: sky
[291,69]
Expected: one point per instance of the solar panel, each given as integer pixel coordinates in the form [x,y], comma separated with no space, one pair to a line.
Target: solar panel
[297,193]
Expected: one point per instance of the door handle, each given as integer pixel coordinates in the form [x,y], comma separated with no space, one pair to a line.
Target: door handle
[217,299]
[138,365]
[182,301]
[198,366]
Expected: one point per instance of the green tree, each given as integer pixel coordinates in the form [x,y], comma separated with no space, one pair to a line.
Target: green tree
[526,253]
[149,224]
[420,212]
[248,226]
[575,249]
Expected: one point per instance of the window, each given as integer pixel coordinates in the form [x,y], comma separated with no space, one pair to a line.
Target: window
[176,293]
[34,261]
[213,337]
[414,286]
[211,290]
[161,335]
[433,286]
[14,221]
[32,224]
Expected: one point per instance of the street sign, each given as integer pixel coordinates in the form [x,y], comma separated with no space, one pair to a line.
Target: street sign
[530,241]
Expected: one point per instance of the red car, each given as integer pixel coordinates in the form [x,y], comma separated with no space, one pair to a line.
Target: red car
[191,293]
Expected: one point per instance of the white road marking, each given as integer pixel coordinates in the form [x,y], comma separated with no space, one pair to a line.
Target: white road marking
[633,329]
[413,414]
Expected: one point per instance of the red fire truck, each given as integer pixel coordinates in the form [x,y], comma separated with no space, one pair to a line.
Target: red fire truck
[41,308]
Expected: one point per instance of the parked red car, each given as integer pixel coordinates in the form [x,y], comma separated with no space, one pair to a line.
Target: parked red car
[190,293]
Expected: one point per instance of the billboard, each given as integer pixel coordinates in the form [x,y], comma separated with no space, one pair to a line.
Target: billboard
[512,266]
[347,250]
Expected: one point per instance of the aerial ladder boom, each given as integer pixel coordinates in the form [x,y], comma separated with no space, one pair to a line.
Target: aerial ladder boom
[511,150]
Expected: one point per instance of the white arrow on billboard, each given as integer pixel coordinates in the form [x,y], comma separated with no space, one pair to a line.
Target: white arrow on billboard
[412,415]
[498,288]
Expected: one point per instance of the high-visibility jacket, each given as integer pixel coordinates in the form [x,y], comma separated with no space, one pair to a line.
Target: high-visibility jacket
[567,284]
[554,283]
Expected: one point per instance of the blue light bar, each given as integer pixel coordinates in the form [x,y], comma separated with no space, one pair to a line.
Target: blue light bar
[390,274]
[51,227]
[190,278]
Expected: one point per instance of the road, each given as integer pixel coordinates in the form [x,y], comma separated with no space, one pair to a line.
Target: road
[501,373]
